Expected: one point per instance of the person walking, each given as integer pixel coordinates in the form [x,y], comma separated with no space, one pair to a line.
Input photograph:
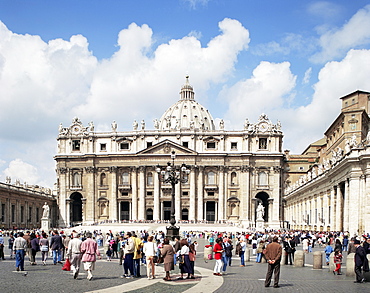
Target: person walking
[19,247]
[150,250]
[361,262]
[35,247]
[10,245]
[328,251]
[128,264]
[89,250]
[2,247]
[273,257]
[56,245]
[74,254]
[137,255]
[44,247]
[168,255]
[243,246]
[260,248]
[217,249]
[338,261]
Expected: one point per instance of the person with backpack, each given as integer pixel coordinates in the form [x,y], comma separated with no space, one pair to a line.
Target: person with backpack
[328,251]
[226,255]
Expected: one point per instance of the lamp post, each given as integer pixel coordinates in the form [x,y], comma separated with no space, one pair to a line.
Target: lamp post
[173,175]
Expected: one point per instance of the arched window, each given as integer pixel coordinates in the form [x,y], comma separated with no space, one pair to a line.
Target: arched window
[149,178]
[262,178]
[125,178]
[233,179]
[211,178]
[103,179]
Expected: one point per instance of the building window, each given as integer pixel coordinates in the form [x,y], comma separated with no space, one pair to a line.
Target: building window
[262,143]
[211,193]
[262,178]
[30,214]
[125,178]
[124,193]
[37,214]
[211,145]
[103,179]
[103,147]
[13,213]
[124,145]
[149,144]
[233,179]
[149,178]
[185,193]
[76,145]
[234,146]
[22,214]
[185,144]
[149,193]
[211,178]
[3,212]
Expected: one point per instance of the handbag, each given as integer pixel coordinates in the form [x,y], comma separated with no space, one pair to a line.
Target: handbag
[155,259]
[67,265]
[180,259]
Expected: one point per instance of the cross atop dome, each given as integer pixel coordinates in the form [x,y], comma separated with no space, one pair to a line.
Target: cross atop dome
[187,92]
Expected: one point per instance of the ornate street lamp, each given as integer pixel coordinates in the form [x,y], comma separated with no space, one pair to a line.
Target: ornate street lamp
[173,175]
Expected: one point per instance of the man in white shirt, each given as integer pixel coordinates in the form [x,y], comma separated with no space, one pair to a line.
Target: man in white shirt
[74,254]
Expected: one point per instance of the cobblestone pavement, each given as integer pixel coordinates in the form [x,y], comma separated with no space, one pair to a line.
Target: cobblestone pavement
[51,278]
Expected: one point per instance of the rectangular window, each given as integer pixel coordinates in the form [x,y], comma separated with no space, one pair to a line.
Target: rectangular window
[103,147]
[234,145]
[13,213]
[149,144]
[185,144]
[149,193]
[124,193]
[185,193]
[30,214]
[3,212]
[211,145]
[37,214]
[76,145]
[211,193]
[124,146]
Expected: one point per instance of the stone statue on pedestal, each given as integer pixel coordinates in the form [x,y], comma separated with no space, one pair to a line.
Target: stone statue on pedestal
[260,211]
[45,213]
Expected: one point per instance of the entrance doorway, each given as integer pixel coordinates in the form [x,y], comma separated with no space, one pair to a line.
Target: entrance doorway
[184,214]
[166,210]
[125,211]
[76,207]
[149,214]
[210,211]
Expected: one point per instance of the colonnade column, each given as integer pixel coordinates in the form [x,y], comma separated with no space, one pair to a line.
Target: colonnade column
[88,213]
[221,195]
[345,208]
[353,207]
[156,200]
[339,215]
[332,208]
[200,194]
[63,183]
[113,200]
[326,202]
[141,214]
[134,193]
[192,194]
[245,199]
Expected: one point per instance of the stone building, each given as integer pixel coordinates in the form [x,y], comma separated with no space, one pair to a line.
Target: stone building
[111,175]
[22,205]
[332,190]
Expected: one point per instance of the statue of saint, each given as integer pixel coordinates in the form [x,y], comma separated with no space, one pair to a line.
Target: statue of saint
[260,211]
[142,124]
[91,126]
[114,126]
[45,213]
[135,125]
[222,124]
[156,123]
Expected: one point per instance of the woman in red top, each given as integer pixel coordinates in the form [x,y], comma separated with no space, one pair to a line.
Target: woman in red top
[217,249]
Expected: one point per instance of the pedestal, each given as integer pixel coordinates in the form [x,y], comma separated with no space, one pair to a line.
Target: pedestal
[45,224]
[260,225]
[172,232]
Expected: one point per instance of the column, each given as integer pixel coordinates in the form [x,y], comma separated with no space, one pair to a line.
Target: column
[326,202]
[200,194]
[141,210]
[88,214]
[338,210]
[332,208]
[345,207]
[134,193]
[353,207]
[192,194]
[244,196]
[221,194]
[156,195]
[113,200]
[177,201]
[63,183]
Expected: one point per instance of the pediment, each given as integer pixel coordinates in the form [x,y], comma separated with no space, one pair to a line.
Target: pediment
[166,147]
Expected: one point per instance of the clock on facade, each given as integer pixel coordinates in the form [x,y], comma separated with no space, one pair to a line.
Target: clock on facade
[263,126]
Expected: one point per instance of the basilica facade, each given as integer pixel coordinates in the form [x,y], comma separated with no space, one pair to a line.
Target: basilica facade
[112,175]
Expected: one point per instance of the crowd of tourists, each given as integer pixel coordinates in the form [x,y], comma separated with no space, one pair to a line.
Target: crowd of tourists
[134,249]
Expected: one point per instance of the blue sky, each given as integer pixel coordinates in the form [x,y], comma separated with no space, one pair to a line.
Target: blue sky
[126,60]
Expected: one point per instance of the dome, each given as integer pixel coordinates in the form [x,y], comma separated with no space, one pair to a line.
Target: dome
[186,113]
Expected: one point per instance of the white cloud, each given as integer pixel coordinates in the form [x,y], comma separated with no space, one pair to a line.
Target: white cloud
[336,42]
[307,76]
[264,92]
[194,3]
[19,170]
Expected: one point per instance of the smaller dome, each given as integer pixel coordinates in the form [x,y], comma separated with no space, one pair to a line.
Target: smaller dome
[186,113]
